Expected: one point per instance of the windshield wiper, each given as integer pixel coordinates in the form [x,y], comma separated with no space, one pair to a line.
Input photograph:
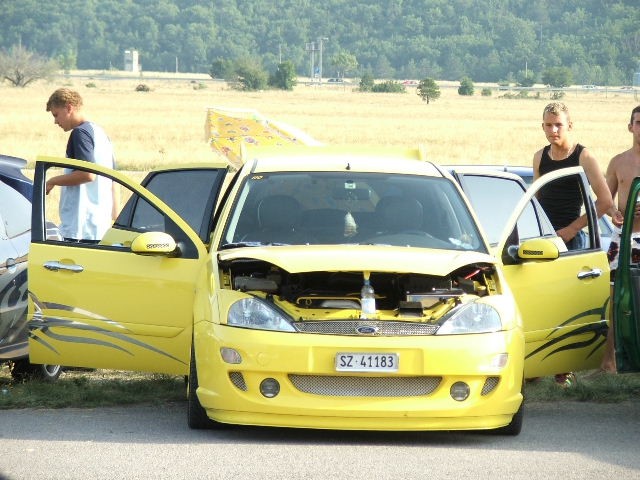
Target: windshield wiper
[240,245]
[227,246]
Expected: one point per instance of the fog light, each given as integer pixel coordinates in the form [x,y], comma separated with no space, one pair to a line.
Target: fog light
[230,355]
[459,391]
[269,387]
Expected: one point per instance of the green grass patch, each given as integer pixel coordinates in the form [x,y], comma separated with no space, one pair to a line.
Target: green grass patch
[103,388]
[91,388]
[603,388]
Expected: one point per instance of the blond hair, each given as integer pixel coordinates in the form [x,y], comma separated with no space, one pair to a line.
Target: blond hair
[556,108]
[63,97]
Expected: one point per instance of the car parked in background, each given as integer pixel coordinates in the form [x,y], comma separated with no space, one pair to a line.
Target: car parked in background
[254,290]
[605,227]
[337,80]
[15,236]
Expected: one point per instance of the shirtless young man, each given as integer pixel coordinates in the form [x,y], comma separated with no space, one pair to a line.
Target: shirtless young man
[562,201]
[622,169]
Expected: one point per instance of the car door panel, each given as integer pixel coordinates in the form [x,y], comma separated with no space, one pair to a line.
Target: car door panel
[565,325]
[103,306]
[563,301]
[109,315]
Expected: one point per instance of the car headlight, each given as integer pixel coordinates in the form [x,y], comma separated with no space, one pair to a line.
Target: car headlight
[258,314]
[474,317]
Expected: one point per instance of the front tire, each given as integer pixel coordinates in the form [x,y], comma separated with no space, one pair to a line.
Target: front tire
[23,370]
[197,418]
[515,427]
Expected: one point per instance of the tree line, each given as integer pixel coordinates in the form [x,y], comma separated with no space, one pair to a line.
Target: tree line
[488,40]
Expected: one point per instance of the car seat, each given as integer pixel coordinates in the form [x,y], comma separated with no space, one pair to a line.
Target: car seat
[398,214]
[277,215]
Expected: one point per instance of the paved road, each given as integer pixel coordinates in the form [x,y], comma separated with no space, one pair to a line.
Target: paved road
[559,441]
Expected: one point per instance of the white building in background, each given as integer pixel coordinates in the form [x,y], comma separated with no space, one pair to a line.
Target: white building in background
[131,61]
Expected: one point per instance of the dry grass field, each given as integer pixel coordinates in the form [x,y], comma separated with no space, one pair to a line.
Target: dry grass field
[166,125]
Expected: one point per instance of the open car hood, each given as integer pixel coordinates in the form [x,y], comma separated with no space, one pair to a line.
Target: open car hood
[380,258]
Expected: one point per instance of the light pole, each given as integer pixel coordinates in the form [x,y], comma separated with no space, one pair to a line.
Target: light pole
[321,40]
[311,48]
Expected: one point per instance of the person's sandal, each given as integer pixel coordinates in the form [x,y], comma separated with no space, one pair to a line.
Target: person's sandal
[565,380]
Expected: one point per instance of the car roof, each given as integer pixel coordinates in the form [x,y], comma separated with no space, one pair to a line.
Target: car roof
[522,172]
[517,169]
[338,158]
[12,166]
[526,172]
[11,174]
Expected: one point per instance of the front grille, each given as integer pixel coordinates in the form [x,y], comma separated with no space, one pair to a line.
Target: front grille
[378,328]
[238,380]
[489,385]
[347,386]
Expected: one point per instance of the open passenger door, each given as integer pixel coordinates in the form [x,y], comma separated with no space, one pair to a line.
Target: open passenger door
[562,295]
[126,302]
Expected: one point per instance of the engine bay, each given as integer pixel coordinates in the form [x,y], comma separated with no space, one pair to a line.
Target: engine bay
[401,294]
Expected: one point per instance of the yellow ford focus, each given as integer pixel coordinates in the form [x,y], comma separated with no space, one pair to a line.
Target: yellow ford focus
[326,288]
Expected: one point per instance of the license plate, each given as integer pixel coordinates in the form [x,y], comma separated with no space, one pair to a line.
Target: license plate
[367,362]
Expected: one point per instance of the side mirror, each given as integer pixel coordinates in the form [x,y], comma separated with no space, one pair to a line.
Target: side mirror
[156,244]
[534,249]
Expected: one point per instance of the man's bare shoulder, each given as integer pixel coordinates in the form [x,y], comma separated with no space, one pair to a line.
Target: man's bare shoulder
[630,153]
[623,158]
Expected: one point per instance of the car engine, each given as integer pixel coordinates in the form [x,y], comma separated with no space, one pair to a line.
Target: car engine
[400,295]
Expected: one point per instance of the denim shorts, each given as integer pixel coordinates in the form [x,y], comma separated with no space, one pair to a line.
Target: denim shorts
[579,242]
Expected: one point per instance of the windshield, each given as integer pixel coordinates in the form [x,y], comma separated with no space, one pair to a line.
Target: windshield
[319,208]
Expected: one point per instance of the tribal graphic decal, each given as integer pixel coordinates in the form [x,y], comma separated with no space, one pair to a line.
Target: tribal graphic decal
[40,330]
[598,331]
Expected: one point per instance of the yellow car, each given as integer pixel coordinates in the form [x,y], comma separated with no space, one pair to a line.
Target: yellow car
[324,287]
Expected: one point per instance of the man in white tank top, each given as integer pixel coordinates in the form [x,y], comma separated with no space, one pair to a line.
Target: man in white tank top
[87,203]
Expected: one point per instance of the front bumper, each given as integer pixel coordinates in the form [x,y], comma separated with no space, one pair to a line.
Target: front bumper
[313,395]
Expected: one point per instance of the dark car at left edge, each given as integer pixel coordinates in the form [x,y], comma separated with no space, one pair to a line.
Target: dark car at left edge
[15,235]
